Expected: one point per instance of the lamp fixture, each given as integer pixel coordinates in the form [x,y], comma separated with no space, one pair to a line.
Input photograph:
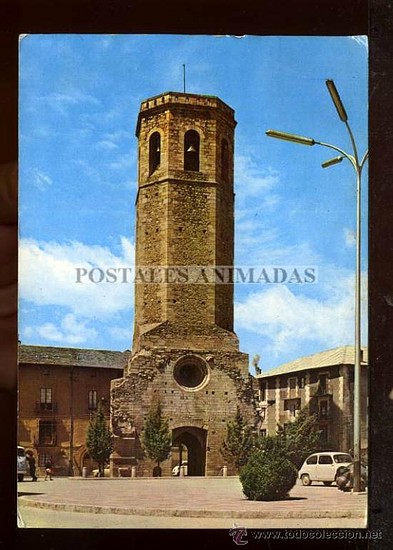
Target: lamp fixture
[332,161]
[290,137]
[337,100]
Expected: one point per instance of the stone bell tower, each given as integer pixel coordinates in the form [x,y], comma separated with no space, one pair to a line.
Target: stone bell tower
[185,353]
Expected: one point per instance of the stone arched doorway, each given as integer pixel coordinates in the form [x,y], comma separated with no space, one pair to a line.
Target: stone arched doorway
[194,439]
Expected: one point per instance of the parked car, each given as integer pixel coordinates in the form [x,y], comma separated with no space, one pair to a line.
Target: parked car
[21,463]
[176,469]
[323,466]
[345,477]
[96,472]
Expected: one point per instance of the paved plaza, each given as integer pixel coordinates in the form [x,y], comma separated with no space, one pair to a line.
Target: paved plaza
[155,502]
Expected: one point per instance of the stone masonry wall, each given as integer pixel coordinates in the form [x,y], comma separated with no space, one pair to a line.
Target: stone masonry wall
[151,376]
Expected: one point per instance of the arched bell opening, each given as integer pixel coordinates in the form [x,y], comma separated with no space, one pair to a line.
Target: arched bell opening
[191,151]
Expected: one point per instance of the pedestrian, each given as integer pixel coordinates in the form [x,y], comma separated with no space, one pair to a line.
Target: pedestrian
[48,470]
[31,460]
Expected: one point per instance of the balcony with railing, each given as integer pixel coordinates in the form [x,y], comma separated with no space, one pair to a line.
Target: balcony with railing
[43,408]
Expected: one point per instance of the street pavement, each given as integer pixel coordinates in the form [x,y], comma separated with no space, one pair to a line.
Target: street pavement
[195,502]
[46,518]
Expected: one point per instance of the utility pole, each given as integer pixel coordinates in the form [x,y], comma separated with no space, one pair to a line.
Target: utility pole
[357,165]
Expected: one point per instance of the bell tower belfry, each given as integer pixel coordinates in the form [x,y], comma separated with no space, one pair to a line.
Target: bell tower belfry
[185,352]
[184,209]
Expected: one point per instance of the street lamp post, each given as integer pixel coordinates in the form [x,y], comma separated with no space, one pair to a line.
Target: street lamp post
[358,167]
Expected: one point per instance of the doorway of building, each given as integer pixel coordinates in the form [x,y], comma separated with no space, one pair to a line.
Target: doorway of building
[189,445]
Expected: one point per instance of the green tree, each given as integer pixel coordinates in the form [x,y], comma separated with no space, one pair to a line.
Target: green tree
[156,438]
[99,439]
[296,441]
[271,444]
[239,441]
[301,437]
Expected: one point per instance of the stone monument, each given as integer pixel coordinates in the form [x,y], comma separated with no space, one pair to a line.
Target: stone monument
[185,353]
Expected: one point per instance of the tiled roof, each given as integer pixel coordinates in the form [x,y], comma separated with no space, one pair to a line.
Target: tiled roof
[46,355]
[344,355]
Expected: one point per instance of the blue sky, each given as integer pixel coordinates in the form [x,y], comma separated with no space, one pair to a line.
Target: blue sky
[79,100]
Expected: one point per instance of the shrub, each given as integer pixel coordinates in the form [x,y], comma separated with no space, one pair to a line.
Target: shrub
[267,476]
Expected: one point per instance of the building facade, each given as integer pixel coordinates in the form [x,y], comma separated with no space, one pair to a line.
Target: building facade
[322,382]
[185,353]
[59,389]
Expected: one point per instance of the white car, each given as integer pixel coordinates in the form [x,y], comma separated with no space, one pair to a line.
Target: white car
[21,463]
[323,466]
[96,472]
[176,469]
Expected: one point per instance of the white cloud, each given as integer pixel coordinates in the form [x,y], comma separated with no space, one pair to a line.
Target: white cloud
[121,333]
[123,162]
[71,331]
[288,320]
[48,331]
[62,101]
[261,231]
[260,241]
[48,276]
[256,235]
[117,135]
[89,169]
[112,140]
[28,332]
[255,181]
[106,144]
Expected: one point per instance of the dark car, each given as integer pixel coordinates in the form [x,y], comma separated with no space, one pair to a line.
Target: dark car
[21,463]
[345,477]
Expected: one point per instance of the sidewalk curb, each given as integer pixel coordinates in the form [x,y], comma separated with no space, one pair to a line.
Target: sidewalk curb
[160,512]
